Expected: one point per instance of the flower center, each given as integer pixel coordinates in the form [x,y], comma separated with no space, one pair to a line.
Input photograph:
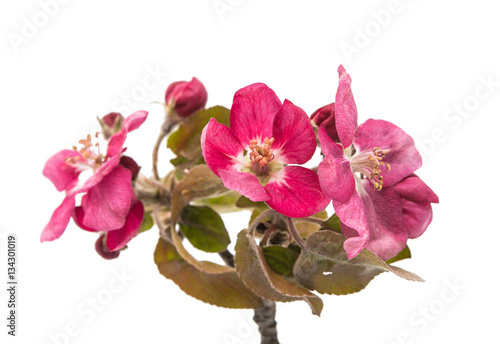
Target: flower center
[368,164]
[91,154]
[261,155]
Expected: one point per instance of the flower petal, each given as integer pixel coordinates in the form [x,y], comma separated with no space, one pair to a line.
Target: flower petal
[252,113]
[403,158]
[78,216]
[62,174]
[378,220]
[328,146]
[295,192]
[336,178]
[106,168]
[135,120]
[417,217]
[346,113]
[294,139]
[117,239]
[219,146]
[132,122]
[414,189]
[59,220]
[107,204]
[245,183]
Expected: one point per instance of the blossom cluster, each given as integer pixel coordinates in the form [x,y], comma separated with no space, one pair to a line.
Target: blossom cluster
[367,171]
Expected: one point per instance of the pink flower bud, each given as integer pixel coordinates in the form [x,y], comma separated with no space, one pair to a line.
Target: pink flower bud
[325,117]
[186,97]
[111,124]
[102,249]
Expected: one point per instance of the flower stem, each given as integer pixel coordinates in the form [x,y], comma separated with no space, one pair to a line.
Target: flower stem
[156,149]
[312,220]
[264,317]
[258,220]
[293,231]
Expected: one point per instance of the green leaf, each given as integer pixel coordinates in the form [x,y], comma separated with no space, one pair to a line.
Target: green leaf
[204,229]
[185,141]
[244,202]
[404,254]
[323,266]
[206,281]
[147,223]
[256,273]
[222,204]
[306,228]
[200,182]
[281,259]
[333,223]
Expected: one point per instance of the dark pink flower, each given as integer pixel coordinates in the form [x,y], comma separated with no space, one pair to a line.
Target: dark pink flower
[186,97]
[109,203]
[253,156]
[325,117]
[369,177]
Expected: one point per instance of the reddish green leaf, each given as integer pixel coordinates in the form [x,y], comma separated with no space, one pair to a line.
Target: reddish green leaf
[323,266]
[208,282]
[263,280]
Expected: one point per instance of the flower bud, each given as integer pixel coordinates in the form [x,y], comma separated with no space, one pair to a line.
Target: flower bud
[111,124]
[186,97]
[103,250]
[325,117]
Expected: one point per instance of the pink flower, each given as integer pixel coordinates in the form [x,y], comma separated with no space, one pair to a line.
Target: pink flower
[369,177]
[109,203]
[186,97]
[253,156]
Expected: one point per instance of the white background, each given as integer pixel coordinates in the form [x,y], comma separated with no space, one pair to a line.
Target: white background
[413,68]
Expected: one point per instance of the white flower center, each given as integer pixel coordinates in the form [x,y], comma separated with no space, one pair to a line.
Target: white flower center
[368,164]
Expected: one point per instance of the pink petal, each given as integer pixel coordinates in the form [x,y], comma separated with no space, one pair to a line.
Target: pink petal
[245,183]
[253,111]
[78,216]
[403,157]
[107,204]
[417,217]
[295,192]
[328,147]
[325,117]
[346,113]
[414,189]
[59,220]
[295,141]
[115,143]
[378,220]
[220,147]
[132,122]
[135,120]
[336,178]
[106,168]
[117,239]
[63,175]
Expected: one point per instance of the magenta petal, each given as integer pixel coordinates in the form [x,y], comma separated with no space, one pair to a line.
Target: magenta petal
[336,178]
[328,147]
[63,175]
[107,204]
[417,217]
[414,189]
[372,219]
[135,120]
[78,216]
[295,192]
[59,220]
[245,183]
[294,139]
[117,239]
[346,113]
[403,157]
[220,147]
[253,111]
[103,170]
[115,143]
